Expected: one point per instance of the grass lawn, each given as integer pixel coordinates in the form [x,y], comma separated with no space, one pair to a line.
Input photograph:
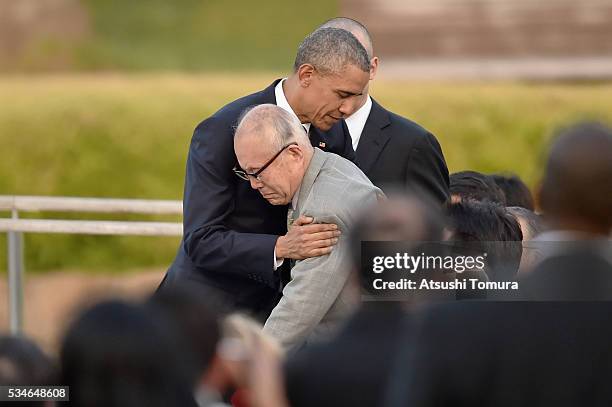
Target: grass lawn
[127,136]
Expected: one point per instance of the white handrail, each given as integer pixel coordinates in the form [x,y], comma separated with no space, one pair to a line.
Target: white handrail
[91,227]
[15,227]
[100,205]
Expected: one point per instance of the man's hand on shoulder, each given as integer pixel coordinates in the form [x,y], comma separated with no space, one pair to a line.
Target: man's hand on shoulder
[306,239]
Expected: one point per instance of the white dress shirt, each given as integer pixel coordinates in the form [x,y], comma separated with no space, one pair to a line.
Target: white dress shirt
[281,101]
[357,120]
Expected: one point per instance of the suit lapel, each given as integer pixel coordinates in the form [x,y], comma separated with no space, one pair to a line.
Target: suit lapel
[373,139]
[269,92]
[316,163]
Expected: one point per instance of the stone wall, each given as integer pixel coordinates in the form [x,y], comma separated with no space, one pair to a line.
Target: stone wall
[486,28]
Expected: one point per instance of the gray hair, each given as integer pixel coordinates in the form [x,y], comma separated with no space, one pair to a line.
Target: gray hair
[330,50]
[354,27]
[285,127]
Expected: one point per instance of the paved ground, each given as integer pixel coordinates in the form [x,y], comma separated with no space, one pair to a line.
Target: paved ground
[51,299]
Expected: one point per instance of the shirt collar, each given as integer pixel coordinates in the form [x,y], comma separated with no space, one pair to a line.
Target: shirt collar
[356,121]
[281,101]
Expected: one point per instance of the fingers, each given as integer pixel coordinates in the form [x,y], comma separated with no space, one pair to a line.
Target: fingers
[302,220]
[319,228]
[313,237]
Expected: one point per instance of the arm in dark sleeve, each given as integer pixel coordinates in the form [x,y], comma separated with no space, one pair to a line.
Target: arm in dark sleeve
[209,199]
[427,168]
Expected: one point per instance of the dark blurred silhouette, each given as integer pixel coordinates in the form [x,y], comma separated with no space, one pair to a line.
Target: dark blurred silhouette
[23,363]
[576,198]
[117,354]
[196,312]
[537,353]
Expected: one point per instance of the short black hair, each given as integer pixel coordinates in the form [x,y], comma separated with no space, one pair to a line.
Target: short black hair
[516,192]
[352,26]
[476,186]
[491,229]
[330,50]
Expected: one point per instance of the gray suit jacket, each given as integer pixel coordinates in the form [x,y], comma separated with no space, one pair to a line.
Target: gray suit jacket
[315,300]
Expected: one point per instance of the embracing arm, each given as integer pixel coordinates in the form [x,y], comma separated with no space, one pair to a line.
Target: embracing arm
[209,199]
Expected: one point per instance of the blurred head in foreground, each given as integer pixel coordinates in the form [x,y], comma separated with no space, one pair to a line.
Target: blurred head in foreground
[576,192]
[406,221]
[195,312]
[118,354]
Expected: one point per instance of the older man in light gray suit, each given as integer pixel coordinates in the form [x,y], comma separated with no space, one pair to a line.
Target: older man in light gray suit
[276,156]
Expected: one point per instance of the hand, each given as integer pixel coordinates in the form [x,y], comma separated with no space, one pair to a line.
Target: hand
[266,384]
[306,239]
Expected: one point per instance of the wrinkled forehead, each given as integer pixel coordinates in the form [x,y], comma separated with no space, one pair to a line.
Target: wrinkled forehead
[252,148]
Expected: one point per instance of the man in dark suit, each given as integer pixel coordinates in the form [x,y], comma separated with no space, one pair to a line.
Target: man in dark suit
[233,239]
[352,369]
[391,150]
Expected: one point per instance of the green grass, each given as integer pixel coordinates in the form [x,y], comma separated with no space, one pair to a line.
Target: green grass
[185,35]
[127,136]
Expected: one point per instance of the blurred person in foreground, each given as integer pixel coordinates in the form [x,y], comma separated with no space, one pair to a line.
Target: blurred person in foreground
[531,353]
[324,186]
[196,313]
[119,354]
[576,200]
[23,363]
[243,343]
[392,151]
[234,240]
[516,192]
[475,186]
[352,368]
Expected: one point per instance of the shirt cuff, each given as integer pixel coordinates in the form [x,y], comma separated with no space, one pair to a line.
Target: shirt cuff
[277,262]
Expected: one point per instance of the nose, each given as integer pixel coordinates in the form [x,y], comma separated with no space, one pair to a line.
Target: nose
[346,108]
[255,183]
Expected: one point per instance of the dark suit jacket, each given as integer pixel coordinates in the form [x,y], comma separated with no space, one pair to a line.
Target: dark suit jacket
[393,150]
[229,229]
[352,369]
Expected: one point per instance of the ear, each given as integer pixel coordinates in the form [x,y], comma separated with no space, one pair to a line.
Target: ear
[305,74]
[296,152]
[373,67]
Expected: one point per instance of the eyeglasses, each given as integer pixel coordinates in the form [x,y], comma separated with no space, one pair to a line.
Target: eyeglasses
[245,175]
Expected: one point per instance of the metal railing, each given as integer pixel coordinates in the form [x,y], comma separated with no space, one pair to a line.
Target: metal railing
[15,227]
